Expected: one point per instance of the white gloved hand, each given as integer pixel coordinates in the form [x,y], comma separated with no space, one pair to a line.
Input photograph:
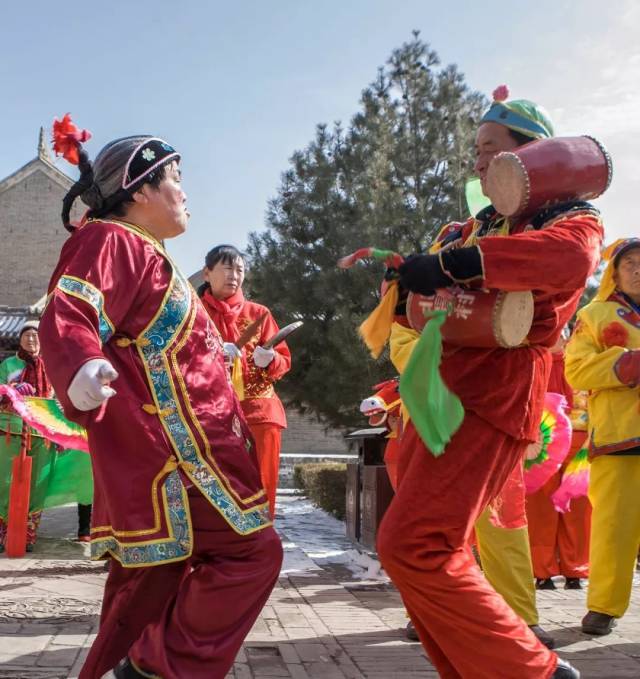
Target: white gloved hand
[262,357]
[231,351]
[90,388]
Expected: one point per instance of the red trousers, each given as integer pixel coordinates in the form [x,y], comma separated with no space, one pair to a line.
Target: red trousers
[423,543]
[267,438]
[187,619]
[391,455]
[559,542]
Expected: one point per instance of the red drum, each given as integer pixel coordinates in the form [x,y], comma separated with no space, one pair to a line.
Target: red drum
[478,318]
[546,172]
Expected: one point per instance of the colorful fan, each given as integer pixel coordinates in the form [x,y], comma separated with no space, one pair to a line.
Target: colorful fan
[46,417]
[575,481]
[376,328]
[545,457]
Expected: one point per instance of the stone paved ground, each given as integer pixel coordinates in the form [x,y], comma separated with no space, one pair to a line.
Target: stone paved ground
[322,620]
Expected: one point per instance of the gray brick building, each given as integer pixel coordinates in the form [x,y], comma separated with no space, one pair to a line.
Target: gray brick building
[31,235]
[31,232]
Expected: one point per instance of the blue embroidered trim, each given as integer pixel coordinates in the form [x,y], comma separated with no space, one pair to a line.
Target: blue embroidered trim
[173,314]
[176,547]
[89,293]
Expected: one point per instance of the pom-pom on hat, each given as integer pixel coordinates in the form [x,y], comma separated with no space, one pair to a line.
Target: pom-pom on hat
[520,115]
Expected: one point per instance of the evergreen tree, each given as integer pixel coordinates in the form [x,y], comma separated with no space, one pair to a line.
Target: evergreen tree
[390,180]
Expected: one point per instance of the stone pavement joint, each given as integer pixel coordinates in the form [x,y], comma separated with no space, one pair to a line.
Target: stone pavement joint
[314,626]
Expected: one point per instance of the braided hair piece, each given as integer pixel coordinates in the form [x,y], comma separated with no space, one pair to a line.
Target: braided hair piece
[67,142]
[85,183]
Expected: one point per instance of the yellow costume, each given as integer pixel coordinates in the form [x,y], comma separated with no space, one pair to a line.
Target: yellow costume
[601,358]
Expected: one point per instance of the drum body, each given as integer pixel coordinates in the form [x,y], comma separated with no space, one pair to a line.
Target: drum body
[477,318]
[548,171]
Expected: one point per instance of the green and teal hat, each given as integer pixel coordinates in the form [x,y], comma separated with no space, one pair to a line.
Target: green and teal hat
[520,115]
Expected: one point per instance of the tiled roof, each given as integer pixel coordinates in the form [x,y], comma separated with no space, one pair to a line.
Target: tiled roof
[11,322]
[13,318]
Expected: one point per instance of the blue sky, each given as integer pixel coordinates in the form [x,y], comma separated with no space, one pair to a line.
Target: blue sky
[238,86]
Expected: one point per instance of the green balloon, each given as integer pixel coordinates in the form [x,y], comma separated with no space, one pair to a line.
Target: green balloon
[476,200]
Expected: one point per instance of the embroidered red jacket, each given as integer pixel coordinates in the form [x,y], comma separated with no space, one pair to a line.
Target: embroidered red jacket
[261,404]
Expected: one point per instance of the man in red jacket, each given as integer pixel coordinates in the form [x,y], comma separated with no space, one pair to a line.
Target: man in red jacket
[466,628]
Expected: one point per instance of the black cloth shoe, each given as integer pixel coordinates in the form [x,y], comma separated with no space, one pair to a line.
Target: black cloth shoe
[543,636]
[573,583]
[125,670]
[565,671]
[545,583]
[410,632]
[598,624]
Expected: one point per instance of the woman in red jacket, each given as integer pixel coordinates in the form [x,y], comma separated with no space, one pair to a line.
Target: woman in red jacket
[256,368]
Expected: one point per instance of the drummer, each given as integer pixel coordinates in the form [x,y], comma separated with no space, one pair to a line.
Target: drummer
[423,540]
[254,368]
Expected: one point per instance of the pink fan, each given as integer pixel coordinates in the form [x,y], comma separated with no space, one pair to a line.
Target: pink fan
[575,481]
[545,457]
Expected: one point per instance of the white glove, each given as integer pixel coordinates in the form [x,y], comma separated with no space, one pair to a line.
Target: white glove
[231,351]
[90,388]
[262,357]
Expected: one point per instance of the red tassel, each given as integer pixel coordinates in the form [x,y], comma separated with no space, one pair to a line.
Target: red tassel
[19,492]
[67,138]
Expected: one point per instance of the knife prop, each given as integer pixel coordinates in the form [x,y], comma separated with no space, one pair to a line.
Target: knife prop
[282,334]
[250,331]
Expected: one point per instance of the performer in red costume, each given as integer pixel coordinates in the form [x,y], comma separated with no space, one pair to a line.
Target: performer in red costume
[258,367]
[466,628]
[134,358]
[560,541]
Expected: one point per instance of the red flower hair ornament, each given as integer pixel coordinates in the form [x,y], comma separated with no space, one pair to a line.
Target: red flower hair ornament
[67,138]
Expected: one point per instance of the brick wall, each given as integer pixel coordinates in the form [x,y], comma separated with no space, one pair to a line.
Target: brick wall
[31,235]
[306,435]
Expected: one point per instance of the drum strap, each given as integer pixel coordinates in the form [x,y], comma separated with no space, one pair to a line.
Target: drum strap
[490,219]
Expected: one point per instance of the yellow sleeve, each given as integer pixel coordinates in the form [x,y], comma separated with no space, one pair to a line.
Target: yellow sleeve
[589,365]
[401,343]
